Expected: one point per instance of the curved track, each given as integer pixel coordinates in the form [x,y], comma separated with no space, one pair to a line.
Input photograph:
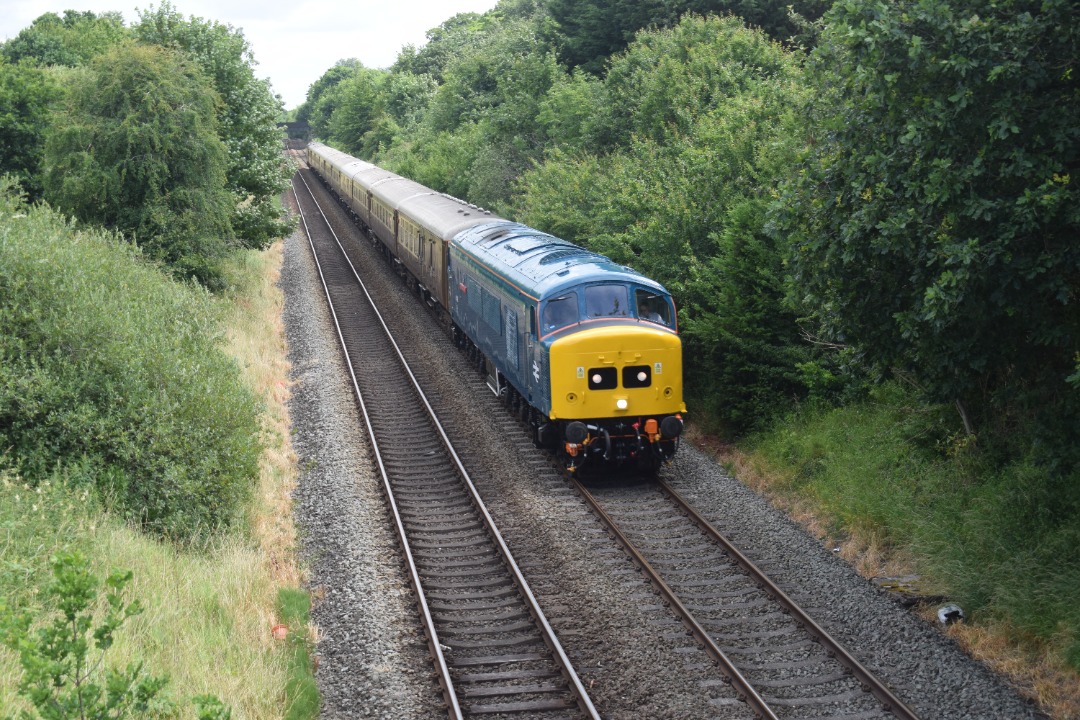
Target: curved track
[494,651]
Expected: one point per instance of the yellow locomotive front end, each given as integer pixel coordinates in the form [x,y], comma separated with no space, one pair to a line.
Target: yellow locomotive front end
[616,393]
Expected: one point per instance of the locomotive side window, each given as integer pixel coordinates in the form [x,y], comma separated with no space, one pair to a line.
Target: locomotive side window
[652,307]
[606,301]
[560,312]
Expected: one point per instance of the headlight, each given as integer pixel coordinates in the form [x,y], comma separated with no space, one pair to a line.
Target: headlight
[621,404]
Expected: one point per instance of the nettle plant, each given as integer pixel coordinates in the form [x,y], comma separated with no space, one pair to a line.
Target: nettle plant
[64,673]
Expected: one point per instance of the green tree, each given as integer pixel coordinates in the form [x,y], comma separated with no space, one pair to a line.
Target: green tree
[936,217]
[257,171]
[357,110]
[26,93]
[314,110]
[590,32]
[62,676]
[64,672]
[448,41]
[136,149]
[487,113]
[73,39]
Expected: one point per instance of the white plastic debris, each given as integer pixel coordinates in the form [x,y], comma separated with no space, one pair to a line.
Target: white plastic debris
[949,614]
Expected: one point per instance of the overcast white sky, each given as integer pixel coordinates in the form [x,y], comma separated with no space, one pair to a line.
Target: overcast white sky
[294,42]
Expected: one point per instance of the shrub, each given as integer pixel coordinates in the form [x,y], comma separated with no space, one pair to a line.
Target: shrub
[108,365]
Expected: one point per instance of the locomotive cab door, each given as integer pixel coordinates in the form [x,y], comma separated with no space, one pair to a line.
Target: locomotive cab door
[531,371]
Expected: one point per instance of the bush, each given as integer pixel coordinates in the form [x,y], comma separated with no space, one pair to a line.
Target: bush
[107,365]
[998,531]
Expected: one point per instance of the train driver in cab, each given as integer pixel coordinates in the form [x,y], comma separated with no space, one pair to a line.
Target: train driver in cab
[652,308]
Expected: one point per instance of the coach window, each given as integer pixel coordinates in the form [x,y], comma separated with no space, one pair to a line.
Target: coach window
[560,312]
[606,301]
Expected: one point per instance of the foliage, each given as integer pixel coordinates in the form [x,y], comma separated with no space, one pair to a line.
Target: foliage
[74,39]
[61,676]
[256,172]
[590,32]
[1002,539]
[488,110]
[450,40]
[26,94]
[313,110]
[935,220]
[136,150]
[108,366]
[669,79]
[357,109]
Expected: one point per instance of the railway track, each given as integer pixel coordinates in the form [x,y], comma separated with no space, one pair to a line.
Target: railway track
[494,652]
[778,660]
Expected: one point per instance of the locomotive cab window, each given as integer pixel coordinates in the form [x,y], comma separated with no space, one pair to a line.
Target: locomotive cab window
[606,301]
[560,312]
[652,307]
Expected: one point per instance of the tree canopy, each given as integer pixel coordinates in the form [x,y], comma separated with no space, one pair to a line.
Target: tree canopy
[590,32]
[935,218]
[257,172]
[72,40]
[136,149]
[26,93]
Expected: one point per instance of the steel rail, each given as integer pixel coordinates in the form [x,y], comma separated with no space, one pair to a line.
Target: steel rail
[743,688]
[547,632]
[434,646]
[878,689]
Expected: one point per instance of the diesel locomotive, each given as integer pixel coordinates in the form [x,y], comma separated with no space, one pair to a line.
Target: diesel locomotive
[585,349]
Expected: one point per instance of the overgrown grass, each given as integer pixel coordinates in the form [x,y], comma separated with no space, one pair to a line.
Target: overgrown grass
[294,609]
[207,615]
[1001,537]
[209,609]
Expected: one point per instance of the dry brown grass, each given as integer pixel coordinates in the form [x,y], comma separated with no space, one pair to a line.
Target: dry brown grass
[1027,663]
[257,339]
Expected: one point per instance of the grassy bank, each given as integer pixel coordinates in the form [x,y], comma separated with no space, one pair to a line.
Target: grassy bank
[906,487]
[208,611]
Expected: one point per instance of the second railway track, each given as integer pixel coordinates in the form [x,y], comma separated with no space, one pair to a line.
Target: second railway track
[781,662]
[494,651]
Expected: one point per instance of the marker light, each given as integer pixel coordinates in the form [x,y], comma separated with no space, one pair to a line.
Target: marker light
[621,403]
[597,379]
[642,376]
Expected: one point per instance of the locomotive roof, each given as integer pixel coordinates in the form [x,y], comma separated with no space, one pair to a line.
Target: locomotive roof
[538,261]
